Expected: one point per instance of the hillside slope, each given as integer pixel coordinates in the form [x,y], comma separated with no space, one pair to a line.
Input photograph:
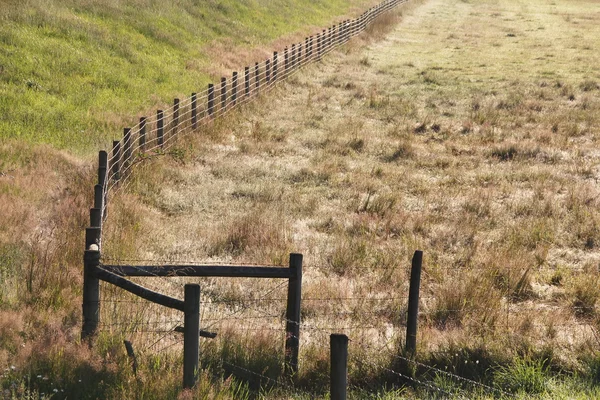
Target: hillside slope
[73,73]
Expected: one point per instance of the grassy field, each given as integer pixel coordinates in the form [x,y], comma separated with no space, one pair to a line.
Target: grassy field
[72,74]
[469,131]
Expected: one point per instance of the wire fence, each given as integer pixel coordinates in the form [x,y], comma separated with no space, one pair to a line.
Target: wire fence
[158,133]
[242,321]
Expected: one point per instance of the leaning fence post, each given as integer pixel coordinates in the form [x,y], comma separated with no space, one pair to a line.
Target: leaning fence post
[91,293]
[116,160]
[160,132]
[211,99]
[274,66]
[413,302]
[191,334]
[194,111]
[338,375]
[292,326]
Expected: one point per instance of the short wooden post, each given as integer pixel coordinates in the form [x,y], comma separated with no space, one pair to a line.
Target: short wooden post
[126,148]
[256,76]
[299,55]
[292,326]
[285,61]
[91,294]
[175,117]
[247,81]
[160,130]
[310,46]
[234,86]
[194,111]
[211,100]
[338,376]
[191,335]
[116,160]
[142,137]
[329,37]
[413,302]
[274,66]
[223,94]
[268,71]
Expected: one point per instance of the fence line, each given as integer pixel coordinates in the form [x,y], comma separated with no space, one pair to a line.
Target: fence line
[157,133]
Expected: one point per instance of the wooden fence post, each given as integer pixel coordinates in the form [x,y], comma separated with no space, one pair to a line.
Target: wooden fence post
[293,56]
[175,117]
[234,86]
[191,335]
[413,302]
[256,76]
[142,138]
[285,61]
[310,44]
[319,46]
[126,148]
[223,94]
[194,111]
[102,169]
[306,50]
[247,80]
[160,133]
[338,376]
[292,315]
[96,211]
[98,196]
[274,66]
[268,71]
[95,217]
[116,160]
[91,293]
[211,100]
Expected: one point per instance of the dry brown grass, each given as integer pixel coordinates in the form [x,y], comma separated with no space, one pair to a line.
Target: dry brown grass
[476,147]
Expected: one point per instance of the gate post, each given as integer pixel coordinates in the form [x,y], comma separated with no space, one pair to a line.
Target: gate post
[191,335]
[292,315]
[91,293]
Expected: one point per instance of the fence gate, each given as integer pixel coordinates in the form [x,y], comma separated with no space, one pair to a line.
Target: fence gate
[95,271]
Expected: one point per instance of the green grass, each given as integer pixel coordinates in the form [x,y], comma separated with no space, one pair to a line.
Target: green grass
[72,74]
